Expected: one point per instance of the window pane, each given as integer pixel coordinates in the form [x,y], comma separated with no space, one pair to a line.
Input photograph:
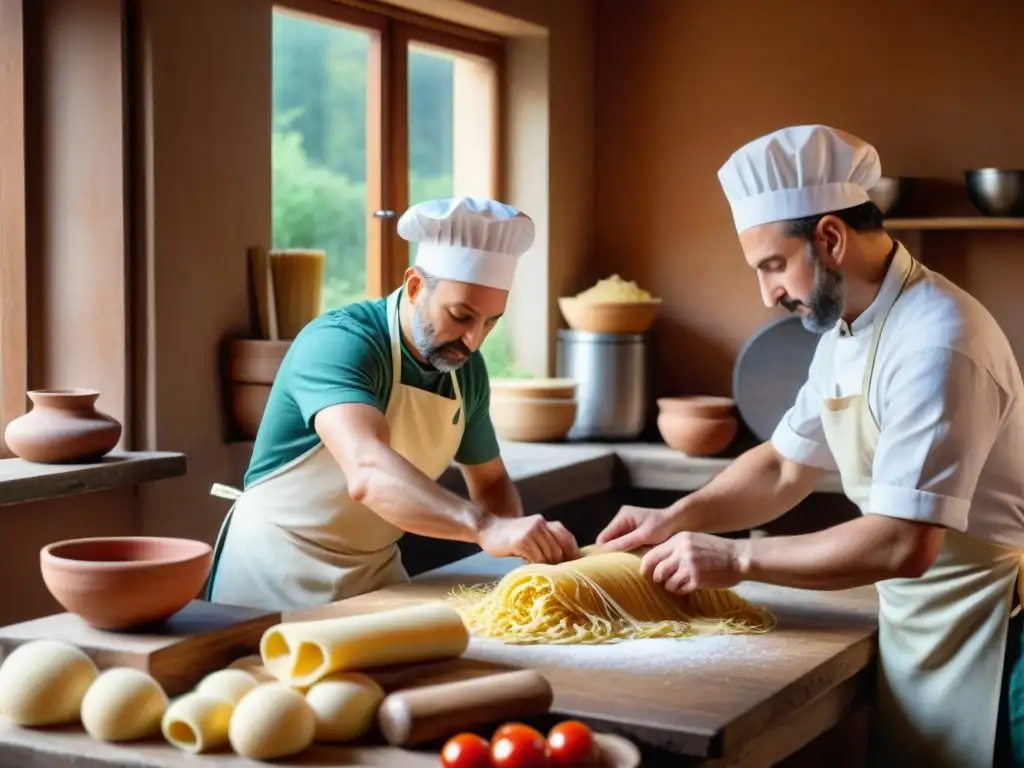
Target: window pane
[319,147]
[451,125]
[452,120]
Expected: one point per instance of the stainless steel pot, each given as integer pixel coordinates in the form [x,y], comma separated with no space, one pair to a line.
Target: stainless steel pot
[613,375]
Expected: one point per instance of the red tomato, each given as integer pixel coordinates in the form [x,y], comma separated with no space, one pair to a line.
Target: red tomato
[466,750]
[572,743]
[515,745]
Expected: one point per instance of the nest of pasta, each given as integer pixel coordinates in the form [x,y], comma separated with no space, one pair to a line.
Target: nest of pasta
[600,598]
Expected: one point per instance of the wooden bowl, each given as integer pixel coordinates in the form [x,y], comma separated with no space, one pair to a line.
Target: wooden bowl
[248,401]
[120,582]
[564,389]
[254,361]
[609,316]
[532,419]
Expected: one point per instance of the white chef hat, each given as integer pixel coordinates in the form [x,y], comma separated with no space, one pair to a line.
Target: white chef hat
[469,239]
[800,171]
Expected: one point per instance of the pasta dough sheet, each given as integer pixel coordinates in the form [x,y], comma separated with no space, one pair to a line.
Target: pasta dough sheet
[600,598]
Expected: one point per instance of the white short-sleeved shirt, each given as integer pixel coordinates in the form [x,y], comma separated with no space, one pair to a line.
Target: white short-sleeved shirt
[946,392]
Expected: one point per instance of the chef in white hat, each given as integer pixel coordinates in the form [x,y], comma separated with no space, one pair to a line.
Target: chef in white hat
[914,396]
[372,402]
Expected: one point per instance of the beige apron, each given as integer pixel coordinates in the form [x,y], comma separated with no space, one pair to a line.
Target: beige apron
[295,538]
[942,637]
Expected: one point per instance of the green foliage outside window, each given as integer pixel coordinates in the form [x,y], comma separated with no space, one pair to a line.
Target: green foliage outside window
[318,153]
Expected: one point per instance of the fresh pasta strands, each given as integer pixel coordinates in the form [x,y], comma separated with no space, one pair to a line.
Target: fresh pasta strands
[600,598]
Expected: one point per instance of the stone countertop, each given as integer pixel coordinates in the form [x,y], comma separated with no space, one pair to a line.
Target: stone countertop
[556,473]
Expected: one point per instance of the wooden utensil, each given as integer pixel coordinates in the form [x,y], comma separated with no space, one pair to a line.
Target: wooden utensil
[199,639]
[261,277]
[420,715]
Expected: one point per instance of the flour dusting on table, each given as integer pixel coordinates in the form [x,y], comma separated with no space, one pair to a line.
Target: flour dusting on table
[647,655]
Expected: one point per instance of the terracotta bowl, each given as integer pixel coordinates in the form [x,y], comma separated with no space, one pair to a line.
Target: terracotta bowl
[697,405]
[121,582]
[609,316]
[564,389]
[697,426]
[532,419]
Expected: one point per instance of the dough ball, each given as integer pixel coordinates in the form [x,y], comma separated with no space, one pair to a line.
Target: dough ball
[123,704]
[273,720]
[42,682]
[197,722]
[227,684]
[254,666]
[345,705]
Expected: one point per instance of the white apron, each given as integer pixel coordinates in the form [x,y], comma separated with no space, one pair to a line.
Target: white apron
[295,538]
[942,636]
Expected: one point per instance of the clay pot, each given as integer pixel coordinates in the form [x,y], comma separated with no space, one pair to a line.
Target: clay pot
[248,402]
[121,582]
[251,366]
[63,426]
[697,426]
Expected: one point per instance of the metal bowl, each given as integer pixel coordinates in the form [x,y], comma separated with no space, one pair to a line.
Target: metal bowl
[890,192]
[996,192]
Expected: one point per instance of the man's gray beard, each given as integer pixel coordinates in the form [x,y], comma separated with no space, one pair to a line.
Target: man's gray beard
[423,334]
[828,298]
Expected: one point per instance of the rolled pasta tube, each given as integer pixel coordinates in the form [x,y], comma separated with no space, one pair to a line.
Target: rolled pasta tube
[301,653]
[197,722]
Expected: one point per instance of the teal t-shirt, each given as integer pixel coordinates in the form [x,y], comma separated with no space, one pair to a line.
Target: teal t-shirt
[344,356]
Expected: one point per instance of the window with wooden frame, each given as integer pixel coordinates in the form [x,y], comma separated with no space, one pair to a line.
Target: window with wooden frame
[13,298]
[375,109]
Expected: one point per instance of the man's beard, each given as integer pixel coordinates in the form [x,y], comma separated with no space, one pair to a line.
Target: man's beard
[439,356]
[828,298]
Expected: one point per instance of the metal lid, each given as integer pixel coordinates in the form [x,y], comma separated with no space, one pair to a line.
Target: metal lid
[593,337]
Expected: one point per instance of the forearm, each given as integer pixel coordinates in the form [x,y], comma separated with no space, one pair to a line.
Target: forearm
[501,498]
[863,551]
[757,487]
[401,494]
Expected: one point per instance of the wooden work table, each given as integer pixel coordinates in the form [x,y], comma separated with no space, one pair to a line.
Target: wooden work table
[741,700]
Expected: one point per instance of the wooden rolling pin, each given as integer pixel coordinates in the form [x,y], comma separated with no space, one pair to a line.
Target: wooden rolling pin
[418,715]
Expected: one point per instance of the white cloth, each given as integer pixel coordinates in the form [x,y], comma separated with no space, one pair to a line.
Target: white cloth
[948,397]
[800,171]
[468,239]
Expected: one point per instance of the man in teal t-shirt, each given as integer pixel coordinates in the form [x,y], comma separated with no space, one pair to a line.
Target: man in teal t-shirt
[371,404]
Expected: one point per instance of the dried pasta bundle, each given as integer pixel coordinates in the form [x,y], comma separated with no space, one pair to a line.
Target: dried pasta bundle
[600,598]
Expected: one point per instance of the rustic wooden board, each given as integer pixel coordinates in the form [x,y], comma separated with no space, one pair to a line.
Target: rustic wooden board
[73,748]
[22,481]
[707,705]
[199,639]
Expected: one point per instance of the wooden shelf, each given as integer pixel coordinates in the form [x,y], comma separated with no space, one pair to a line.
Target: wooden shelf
[958,222]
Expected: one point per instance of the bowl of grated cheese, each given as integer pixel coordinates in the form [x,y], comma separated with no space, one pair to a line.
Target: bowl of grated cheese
[612,305]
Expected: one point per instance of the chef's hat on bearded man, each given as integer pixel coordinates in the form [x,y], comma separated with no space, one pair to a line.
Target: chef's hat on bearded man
[804,170]
[469,239]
